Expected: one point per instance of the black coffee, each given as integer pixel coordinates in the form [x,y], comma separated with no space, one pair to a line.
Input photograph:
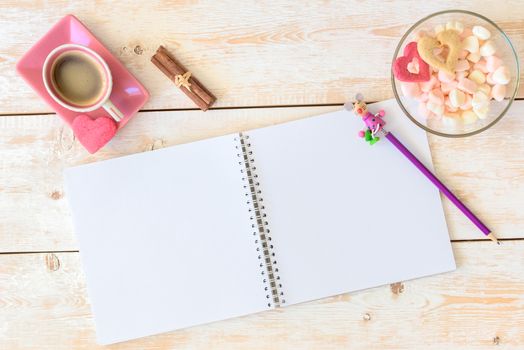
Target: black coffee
[78,79]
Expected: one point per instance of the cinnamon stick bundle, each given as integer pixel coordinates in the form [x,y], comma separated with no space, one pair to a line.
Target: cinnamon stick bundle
[183,79]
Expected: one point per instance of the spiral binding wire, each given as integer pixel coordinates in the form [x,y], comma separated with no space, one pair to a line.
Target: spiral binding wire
[261,232]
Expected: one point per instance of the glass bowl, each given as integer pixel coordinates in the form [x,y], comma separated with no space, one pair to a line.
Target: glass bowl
[505,51]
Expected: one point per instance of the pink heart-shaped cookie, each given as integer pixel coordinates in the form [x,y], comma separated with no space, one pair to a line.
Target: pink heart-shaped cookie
[93,134]
[401,65]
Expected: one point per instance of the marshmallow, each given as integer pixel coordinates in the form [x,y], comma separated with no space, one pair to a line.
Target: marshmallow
[469,117]
[436,96]
[467,104]
[471,43]
[462,65]
[422,110]
[457,98]
[466,32]
[452,115]
[456,26]
[477,76]
[487,49]
[450,119]
[498,92]
[438,109]
[427,86]
[481,32]
[438,28]
[473,57]
[485,88]
[482,112]
[492,63]
[501,75]
[419,97]
[410,89]
[445,77]
[447,87]
[433,116]
[413,67]
[460,75]
[489,79]
[481,66]
[448,107]
[467,85]
[480,100]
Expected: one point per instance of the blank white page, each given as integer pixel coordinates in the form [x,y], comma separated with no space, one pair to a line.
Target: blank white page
[165,239]
[344,215]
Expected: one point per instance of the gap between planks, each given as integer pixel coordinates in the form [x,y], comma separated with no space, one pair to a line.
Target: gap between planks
[194,109]
[502,240]
[216,108]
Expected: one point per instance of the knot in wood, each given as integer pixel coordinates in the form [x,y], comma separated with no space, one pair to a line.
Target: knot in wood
[52,262]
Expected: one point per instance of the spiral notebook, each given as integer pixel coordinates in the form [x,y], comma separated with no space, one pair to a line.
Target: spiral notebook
[253,221]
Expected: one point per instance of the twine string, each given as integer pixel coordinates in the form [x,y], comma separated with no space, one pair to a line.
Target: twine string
[183,80]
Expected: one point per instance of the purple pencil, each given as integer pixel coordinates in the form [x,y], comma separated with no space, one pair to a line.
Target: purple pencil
[375,126]
[487,232]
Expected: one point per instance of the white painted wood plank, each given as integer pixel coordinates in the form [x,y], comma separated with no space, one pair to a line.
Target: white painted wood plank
[248,53]
[485,170]
[43,304]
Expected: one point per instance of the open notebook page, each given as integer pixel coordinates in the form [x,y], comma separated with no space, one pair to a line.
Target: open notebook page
[344,215]
[165,239]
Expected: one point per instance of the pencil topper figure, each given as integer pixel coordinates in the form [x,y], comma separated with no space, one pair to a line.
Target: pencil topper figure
[374,122]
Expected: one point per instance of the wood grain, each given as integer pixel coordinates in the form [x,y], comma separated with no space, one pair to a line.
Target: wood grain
[34,150]
[483,300]
[255,53]
[252,53]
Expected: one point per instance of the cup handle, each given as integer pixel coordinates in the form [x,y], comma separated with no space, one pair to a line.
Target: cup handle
[114,112]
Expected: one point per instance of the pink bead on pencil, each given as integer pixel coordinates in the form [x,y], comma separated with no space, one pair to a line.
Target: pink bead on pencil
[375,126]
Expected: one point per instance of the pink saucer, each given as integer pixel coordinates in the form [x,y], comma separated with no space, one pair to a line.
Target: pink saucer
[128,94]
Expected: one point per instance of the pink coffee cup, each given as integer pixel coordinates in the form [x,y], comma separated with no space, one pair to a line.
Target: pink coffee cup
[78,79]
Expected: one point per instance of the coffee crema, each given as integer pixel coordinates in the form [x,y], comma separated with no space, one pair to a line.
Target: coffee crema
[78,79]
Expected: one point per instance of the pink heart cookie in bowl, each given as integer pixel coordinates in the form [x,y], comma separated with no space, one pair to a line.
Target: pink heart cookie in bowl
[93,134]
[410,67]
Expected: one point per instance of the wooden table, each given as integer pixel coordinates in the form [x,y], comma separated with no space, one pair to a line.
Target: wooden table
[267,63]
